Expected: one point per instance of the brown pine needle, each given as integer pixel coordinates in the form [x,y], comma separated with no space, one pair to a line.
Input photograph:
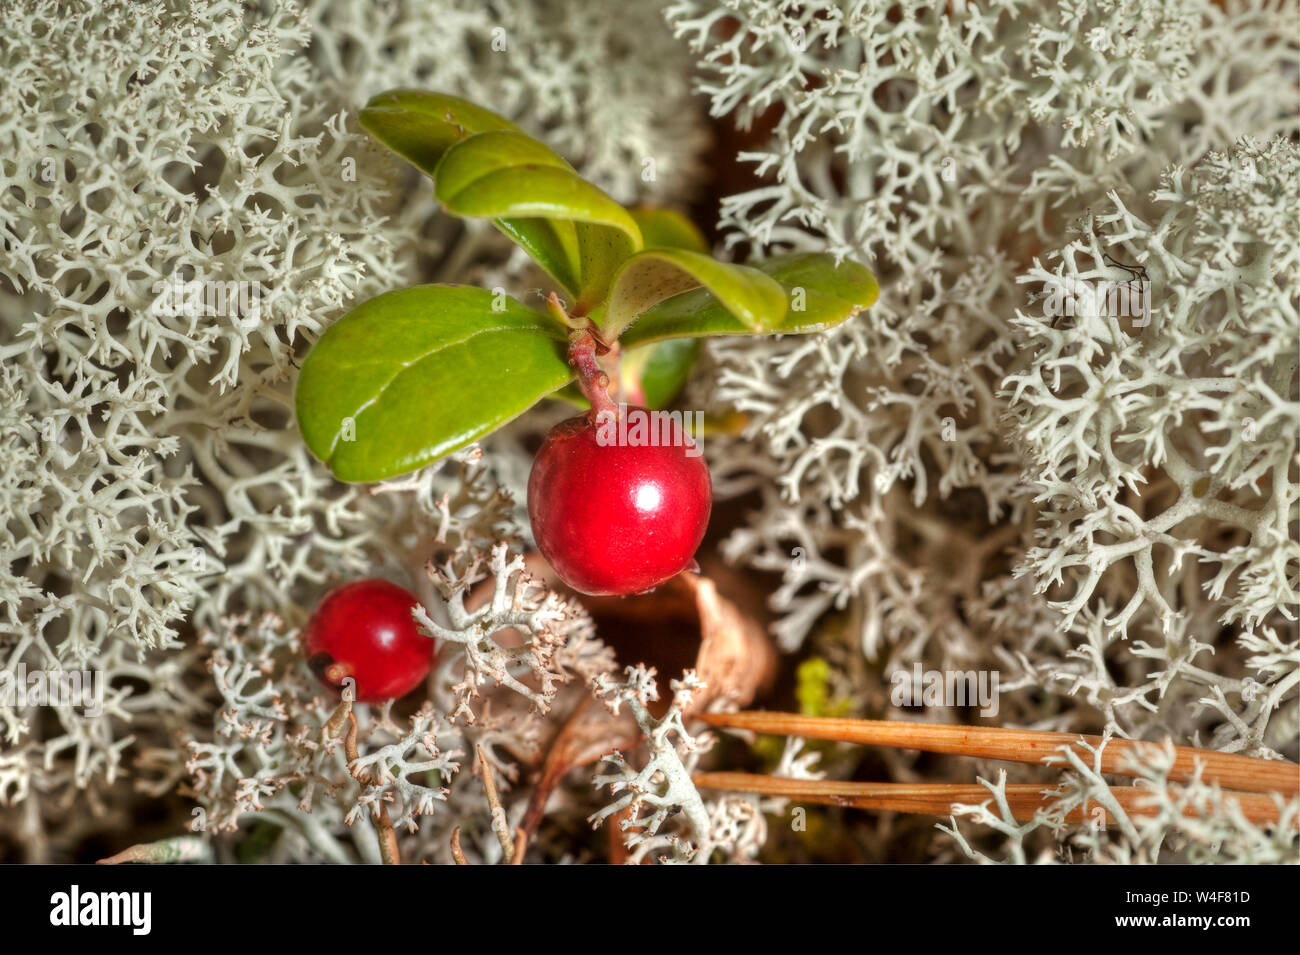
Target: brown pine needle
[1229,770]
[937,799]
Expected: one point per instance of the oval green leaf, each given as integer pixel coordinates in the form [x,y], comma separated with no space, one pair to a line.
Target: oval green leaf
[421,126]
[411,375]
[487,153]
[820,294]
[562,201]
[753,298]
[486,167]
[507,175]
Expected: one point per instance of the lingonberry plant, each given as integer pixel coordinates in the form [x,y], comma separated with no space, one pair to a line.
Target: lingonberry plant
[364,631]
[411,375]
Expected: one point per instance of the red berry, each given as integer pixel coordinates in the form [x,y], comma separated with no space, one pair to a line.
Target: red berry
[617,517]
[364,630]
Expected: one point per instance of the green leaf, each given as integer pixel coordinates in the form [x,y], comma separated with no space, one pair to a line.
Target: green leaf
[601,251]
[648,278]
[410,376]
[666,229]
[821,294]
[660,369]
[508,175]
[484,166]
[552,244]
[421,126]
[487,153]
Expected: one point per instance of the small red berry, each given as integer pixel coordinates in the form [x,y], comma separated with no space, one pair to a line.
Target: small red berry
[364,630]
[617,517]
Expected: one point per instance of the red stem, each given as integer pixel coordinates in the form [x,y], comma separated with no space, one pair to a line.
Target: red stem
[591,377]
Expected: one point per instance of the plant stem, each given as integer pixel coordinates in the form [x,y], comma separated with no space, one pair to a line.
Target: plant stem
[499,823]
[388,850]
[591,377]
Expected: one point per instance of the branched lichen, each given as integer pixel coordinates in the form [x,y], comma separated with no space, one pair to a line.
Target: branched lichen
[1186,822]
[541,620]
[154,478]
[647,796]
[1099,504]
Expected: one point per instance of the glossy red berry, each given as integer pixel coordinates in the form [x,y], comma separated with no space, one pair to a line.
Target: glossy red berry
[364,630]
[617,517]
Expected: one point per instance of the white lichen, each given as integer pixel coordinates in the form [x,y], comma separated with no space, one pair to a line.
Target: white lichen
[1101,508]
[154,479]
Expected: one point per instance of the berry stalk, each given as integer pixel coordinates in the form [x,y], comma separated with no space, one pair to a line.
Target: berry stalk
[592,379]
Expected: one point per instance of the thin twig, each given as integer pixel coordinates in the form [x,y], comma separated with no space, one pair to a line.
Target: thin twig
[335,722]
[521,847]
[350,748]
[499,824]
[384,832]
[516,853]
[1229,770]
[388,850]
[175,849]
[456,852]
